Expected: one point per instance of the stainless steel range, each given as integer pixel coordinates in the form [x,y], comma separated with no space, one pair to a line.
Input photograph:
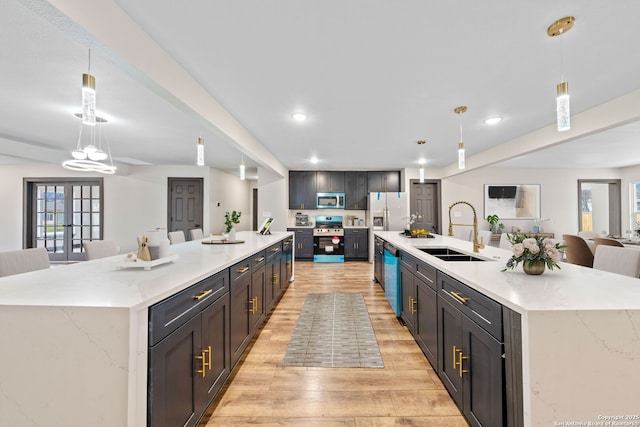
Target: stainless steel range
[328,239]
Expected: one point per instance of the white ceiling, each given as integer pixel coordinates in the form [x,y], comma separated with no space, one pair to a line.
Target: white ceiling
[374,76]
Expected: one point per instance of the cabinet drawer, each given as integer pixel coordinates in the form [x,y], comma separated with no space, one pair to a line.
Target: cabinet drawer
[408,261]
[258,260]
[168,315]
[427,273]
[478,307]
[274,251]
[240,270]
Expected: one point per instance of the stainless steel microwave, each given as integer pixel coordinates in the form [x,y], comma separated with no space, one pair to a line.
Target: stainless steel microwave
[330,200]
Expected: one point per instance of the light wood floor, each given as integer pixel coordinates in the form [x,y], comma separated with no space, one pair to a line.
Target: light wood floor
[406,392]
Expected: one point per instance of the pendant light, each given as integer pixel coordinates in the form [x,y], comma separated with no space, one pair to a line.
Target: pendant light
[460,110]
[563,112]
[422,172]
[89,155]
[89,96]
[242,172]
[200,152]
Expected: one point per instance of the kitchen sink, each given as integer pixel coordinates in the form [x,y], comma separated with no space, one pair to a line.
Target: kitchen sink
[447,254]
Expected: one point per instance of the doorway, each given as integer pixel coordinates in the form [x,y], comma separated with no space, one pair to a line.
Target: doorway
[185,210]
[61,214]
[425,200]
[599,206]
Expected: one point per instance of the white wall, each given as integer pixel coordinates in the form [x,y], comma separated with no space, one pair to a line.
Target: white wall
[273,199]
[133,203]
[228,193]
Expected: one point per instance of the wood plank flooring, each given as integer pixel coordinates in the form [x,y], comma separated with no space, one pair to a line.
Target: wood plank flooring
[406,392]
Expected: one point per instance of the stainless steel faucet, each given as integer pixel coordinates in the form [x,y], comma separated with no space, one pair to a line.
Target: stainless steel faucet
[476,245]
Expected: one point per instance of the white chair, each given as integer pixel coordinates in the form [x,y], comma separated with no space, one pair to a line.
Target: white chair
[615,259]
[176,237]
[484,237]
[463,233]
[196,234]
[504,241]
[96,249]
[23,261]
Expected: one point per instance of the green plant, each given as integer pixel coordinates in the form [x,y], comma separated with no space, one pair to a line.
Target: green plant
[231,218]
[493,220]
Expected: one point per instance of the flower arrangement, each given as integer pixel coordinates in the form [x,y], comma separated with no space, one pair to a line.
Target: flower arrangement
[230,219]
[531,250]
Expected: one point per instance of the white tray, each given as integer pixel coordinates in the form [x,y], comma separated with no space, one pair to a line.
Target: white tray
[147,264]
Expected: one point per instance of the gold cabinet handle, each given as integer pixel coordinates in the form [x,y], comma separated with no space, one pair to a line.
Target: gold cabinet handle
[459,297]
[255,305]
[242,270]
[412,305]
[202,371]
[455,359]
[275,249]
[460,359]
[208,363]
[276,281]
[251,301]
[203,294]
[259,259]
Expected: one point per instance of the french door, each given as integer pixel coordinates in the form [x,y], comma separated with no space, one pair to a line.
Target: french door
[62,214]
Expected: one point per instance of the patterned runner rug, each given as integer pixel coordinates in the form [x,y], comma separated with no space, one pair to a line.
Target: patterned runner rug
[334,331]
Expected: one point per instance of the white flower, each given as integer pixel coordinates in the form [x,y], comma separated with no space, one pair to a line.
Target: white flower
[518,249]
[530,243]
[534,249]
[549,243]
[554,254]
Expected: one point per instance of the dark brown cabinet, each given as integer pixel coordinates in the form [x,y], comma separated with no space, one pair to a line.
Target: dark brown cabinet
[356,244]
[471,365]
[188,352]
[302,190]
[303,249]
[273,276]
[355,185]
[241,309]
[286,265]
[383,181]
[330,182]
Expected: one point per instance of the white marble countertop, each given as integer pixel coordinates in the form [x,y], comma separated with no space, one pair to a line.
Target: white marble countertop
[570,288]
[100,283]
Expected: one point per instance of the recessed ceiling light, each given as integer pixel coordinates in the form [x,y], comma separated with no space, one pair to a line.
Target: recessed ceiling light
[493,120]
[314,159]
[299,116]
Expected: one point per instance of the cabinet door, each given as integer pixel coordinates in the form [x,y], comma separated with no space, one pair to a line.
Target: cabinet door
[306,246]
[240,317]
[427,320]
[349,245]
[450,348]
[355,187]
[392,181]
[257,295]
[215,346]
[362,244]
[302,190]
[383,181]
[408,298]
[484,379]
[330,182]
[286,263]
[174,395]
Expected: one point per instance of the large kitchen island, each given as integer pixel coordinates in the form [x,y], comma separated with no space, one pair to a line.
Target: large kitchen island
[572,339]
[76,340]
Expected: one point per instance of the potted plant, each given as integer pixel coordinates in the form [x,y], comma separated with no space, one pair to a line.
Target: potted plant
[230,220]
[493,221]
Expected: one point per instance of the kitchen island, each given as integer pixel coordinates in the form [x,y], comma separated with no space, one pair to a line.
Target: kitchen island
[580,333]
[75,338]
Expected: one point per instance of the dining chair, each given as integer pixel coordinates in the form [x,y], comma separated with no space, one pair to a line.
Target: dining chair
[577,250]
[96,249]
[463,233]
[620,260]
[504,241]
[23,261]
[196,234]
[176,237]
[484,236]
[606,241]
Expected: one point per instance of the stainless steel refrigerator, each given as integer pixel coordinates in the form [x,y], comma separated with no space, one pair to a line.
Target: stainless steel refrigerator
[388,212]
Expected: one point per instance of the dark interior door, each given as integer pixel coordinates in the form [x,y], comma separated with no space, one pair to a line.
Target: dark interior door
[185,204]
[425,200]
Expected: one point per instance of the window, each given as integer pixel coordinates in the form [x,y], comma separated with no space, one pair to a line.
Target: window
[62,214]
